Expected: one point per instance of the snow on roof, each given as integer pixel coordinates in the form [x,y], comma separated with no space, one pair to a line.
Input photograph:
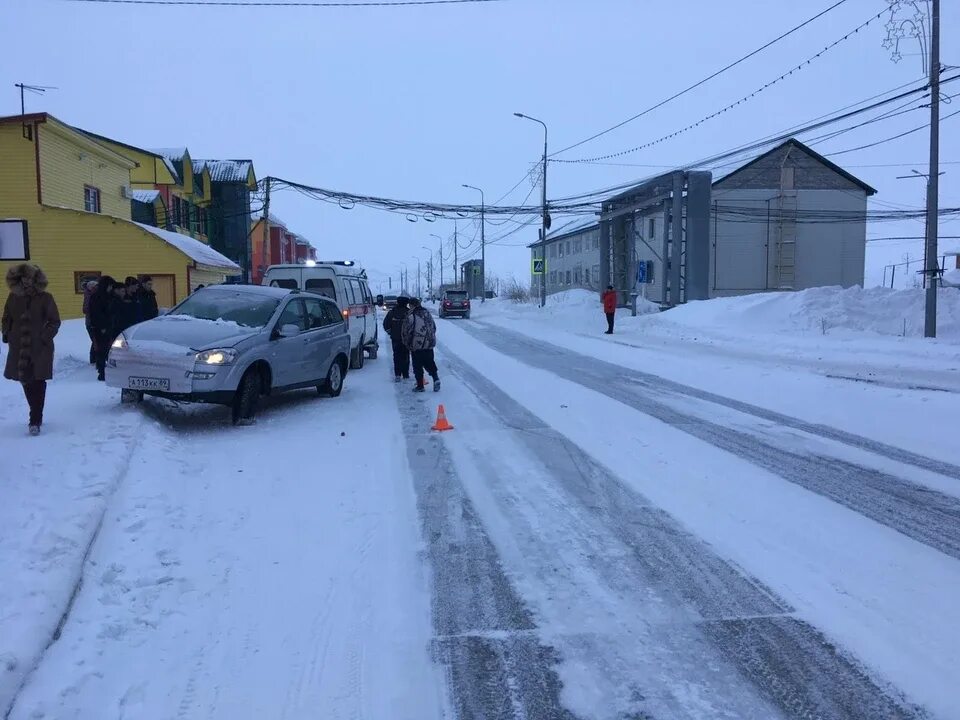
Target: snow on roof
[274,220]
[171,168]
[568,228]
[226,170]
[176,153]
[193,249]
[146,196]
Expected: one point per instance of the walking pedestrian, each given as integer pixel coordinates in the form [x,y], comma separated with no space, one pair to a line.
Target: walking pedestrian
[89,288]
[101,320]
[609,298]
[149,309]
[420,336]
[30,323]
[393,324]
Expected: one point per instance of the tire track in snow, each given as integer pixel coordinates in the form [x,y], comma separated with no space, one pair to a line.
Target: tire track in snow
[485,635]
[657,382]
[790,663]
[923,514]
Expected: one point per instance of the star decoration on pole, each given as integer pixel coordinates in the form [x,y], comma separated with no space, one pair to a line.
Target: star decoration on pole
[908,19]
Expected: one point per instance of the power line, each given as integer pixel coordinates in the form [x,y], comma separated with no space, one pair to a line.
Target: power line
[890,139]
[701,82]
[732,105]
[284,3]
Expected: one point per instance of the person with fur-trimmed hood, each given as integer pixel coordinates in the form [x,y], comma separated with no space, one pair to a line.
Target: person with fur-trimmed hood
[30,323]
[420,335]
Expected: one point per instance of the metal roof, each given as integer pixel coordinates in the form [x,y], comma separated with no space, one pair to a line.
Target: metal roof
[146,196]
[194,249]
[571,227]
[226,170]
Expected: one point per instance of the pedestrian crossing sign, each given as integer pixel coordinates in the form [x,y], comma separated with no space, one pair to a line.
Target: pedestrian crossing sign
[539,266]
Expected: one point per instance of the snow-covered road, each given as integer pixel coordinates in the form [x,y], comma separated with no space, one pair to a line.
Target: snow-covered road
[601,537]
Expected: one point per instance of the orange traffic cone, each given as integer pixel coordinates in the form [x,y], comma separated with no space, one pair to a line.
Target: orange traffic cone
[441,424]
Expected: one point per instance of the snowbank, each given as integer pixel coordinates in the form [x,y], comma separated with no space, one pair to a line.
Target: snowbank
[951,278]
[879,311]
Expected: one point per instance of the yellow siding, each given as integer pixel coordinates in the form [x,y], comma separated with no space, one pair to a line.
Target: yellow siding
[205,277]
[65,167]
[63,242]
[18,175]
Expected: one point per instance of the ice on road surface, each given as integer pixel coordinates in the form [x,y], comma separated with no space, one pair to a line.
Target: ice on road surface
[684,520]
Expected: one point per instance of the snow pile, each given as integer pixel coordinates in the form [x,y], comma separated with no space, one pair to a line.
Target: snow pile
[951,278]
[574,310]
[880,311]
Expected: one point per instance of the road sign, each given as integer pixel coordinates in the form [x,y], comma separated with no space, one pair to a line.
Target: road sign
[539,266]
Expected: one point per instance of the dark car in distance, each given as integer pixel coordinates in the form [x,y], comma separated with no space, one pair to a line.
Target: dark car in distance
[455,303]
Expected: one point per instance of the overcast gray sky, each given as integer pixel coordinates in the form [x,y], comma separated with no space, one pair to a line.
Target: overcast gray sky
[411,102]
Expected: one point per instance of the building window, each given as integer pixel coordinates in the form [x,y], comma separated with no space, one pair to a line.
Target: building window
[578,246]
[596,242]
[553,277]
[596,273]
[653,229]
[91,199]
[82,277]
[586,276]
[560,246]
[568,247]
[568,277]
[553,250]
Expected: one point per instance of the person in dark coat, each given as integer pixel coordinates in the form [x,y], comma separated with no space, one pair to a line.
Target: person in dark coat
[149,309]
[393,324]
[420,335]
[30,323]
[126,311]
[88,289]
[100,319]
[609,298]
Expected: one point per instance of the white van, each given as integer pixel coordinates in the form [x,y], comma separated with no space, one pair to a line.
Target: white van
[345,282]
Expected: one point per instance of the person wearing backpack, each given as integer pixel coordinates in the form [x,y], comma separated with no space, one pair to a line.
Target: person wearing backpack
[393,324]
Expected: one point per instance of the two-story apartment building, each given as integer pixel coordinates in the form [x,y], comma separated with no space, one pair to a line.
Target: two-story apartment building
[75,194]
[283,246]
[228,219]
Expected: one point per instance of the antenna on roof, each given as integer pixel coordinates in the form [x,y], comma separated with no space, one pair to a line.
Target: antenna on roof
[37,90]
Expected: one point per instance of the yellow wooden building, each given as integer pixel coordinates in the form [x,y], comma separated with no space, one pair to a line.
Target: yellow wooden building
[75,193]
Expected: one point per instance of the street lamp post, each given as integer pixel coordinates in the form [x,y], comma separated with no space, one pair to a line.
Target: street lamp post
[429,271]
[483,245]
[545,218]
[441,258]
[417,258]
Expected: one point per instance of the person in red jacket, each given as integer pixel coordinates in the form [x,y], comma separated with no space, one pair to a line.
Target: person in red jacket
[609,307]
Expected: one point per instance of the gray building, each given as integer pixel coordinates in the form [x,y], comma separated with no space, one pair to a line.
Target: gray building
[788,220]
[471,277]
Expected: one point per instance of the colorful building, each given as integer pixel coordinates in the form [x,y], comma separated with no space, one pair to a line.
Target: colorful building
[76,193]
[283,246]
[228,213]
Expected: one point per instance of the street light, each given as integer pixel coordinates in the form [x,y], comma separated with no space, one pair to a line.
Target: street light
[429,272]
[417,258]
[483,245]
[404,279]
[441,257]
[546,217]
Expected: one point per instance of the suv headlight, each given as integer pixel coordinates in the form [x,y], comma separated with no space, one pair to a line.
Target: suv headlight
[220,356]
[120,343]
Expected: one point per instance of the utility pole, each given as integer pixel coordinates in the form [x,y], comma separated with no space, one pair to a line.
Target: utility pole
[545,220]
[456,265]
[440,239]
[483,245]
[933,182]
[266,224]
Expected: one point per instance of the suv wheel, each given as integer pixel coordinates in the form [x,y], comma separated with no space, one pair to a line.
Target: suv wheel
[333,385]
[357,357]
[247,398]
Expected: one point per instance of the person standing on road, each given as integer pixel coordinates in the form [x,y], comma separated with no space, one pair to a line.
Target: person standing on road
[88,289]
[393,324]
[30,322]
[149,309]
[101,321]
[420,335]
[126,312]
[609,298]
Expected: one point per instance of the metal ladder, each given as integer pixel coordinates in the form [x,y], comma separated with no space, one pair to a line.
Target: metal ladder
[787,240]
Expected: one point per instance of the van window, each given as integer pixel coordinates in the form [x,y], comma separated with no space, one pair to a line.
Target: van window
[348,292]
[321,286]
[288,283]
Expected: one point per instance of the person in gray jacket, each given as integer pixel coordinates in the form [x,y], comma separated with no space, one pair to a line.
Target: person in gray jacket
[420,336]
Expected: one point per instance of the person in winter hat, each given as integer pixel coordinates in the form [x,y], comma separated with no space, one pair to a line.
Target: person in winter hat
[100,320]
[420,335]
[393,324]
[89,288]
[30,322]
[609,298]
[126,312]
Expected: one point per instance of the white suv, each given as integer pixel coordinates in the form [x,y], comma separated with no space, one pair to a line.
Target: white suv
[344,282]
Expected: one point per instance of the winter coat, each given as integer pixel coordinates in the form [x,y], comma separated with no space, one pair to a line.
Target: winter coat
[148,305]
[393,324]
[100,316]
[87,295]
[609,301]
[419,330]
[30,322]
[125,313]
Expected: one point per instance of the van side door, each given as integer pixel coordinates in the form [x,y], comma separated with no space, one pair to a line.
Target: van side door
[324,328]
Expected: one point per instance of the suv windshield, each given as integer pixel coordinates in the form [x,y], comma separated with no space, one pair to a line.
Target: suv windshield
[242,308]
[457,295]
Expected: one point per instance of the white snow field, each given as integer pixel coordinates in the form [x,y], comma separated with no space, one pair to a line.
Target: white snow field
[743,508]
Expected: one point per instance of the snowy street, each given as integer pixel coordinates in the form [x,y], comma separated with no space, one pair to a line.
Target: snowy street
[678,521]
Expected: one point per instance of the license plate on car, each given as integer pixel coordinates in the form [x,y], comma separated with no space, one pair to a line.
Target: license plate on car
[148,383]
